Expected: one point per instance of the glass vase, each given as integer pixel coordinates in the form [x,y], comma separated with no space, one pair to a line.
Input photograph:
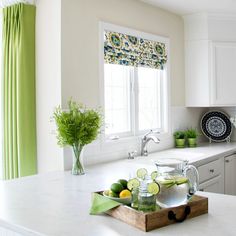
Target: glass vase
[77,168]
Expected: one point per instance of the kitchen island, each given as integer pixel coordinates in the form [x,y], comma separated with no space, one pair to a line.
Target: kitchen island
[58,204]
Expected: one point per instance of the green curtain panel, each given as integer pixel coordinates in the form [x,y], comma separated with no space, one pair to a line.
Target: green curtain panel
[19,91]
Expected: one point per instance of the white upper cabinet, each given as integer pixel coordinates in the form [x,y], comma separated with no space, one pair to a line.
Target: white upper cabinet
[210,60]
[224,73]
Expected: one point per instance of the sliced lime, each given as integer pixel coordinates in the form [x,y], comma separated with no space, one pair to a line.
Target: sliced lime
[154,175]
[181,180]
[141,173]
[167,182]
[153,188]
[133,183]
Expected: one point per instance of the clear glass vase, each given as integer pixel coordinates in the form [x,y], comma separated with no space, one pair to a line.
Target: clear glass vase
[77,168]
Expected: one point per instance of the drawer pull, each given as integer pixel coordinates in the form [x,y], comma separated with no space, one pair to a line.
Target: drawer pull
[212,170]
[172,215]
[227,161]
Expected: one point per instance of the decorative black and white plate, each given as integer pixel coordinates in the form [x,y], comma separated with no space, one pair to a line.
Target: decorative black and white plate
[216,126]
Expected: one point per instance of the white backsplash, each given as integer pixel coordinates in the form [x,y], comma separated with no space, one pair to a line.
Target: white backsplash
[181,118]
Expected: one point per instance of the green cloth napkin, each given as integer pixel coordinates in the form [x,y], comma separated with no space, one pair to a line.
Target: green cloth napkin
[101,204]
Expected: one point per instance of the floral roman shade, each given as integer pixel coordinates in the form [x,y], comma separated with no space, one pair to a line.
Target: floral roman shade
[129,50]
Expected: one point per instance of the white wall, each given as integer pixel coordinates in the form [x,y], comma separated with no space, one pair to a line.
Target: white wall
[80,43]
[78,77]
[80,54]
[80,60]
[48,82]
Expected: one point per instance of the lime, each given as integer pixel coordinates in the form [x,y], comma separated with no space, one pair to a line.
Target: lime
[123,182]
[133,183]
[141,173]
[116,187]
[125,193]
[181,180]
[153,188]
[154,175]
[167,182]
[112,194]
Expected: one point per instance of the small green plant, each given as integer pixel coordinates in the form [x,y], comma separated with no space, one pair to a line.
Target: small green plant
[77,126]
[191,133]
[179,134]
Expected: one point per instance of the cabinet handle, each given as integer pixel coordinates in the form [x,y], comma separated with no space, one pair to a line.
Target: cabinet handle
[201,189]
[227,161]
[212,170]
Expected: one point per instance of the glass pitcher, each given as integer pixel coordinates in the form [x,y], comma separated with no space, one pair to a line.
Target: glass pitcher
[178,182]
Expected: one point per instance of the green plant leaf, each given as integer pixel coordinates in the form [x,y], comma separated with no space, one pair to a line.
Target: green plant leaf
[77,125]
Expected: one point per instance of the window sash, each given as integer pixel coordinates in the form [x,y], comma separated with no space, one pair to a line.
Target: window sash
[134,108]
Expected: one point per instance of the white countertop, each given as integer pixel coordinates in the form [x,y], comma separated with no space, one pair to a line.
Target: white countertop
[201,155]
[58,203]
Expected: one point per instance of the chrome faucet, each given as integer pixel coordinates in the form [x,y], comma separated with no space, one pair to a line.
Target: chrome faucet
[145,139]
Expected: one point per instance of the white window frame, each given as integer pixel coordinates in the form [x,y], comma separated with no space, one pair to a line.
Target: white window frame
[134,135]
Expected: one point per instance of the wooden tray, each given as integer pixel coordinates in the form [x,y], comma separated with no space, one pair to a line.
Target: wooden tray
[157,219]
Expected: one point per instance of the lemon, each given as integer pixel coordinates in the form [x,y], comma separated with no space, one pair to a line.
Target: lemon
[133,183]
[141,173]
[123,182]
[125,193]
[153,188]
[116,187]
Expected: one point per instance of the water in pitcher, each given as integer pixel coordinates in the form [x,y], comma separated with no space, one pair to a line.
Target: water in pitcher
[175,182]
[173,191]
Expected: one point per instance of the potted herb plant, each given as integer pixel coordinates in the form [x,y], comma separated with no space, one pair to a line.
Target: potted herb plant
[76,127]
[179,139]
[191,135]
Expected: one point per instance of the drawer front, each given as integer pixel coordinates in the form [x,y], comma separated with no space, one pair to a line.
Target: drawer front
[209,170]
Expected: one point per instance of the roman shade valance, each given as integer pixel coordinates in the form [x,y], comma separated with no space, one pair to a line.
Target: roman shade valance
[129,50]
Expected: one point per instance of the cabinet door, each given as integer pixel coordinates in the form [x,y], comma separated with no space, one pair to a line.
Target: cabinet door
[223,74]
[230,174]
[215,185]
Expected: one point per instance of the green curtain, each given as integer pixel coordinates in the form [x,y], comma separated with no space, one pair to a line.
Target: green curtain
[19,91]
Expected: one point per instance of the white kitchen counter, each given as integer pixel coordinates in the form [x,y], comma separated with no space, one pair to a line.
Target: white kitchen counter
[58,203]
[201,155]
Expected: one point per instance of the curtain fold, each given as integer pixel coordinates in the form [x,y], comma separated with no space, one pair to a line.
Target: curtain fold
[19,91]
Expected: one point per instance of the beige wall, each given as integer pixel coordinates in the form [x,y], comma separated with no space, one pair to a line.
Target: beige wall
[67,58]
[80,43]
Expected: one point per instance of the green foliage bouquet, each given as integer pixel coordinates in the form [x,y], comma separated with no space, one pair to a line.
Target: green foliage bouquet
[77,127]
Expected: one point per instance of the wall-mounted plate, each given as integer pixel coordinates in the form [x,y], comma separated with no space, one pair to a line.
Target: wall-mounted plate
[216,126]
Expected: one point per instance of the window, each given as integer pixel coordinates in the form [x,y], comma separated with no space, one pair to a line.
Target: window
[135,84]
[117,98]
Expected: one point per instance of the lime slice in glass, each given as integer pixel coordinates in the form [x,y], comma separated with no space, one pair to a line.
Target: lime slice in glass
[154,175]
[153,188]
[133,183]
[141,173]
